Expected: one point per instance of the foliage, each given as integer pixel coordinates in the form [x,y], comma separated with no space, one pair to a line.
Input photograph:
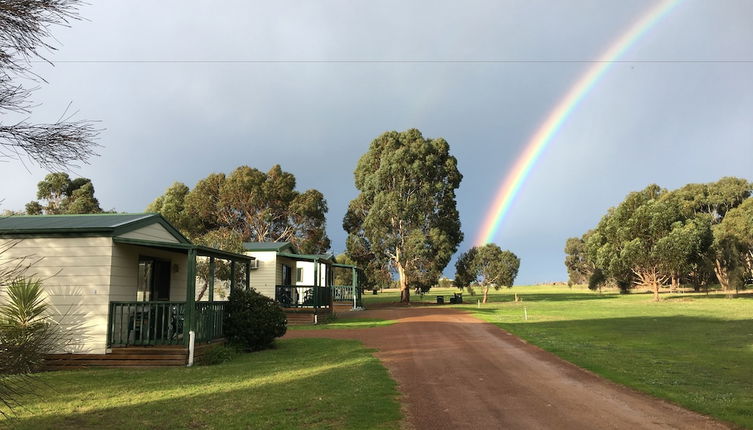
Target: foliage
[25,28]
[217,355]
[26,334]
[487,266]
[344,276]
[247,206]
[405,218]
[63,195]
[655,236]
[579,266]
[253,321]
[300,384]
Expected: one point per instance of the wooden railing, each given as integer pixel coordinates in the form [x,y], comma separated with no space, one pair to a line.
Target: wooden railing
[303,296]
[345,293]
[161,323]
[209,316]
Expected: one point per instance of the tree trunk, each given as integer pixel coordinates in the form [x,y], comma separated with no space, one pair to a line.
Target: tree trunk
[404,290]
[486,293]
[675,285]
[722,275]
[656,291]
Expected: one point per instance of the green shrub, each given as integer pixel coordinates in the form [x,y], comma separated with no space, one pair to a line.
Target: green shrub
[253,321]
[26,333]
[217,355]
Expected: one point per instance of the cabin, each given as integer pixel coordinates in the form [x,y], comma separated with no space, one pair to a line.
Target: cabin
[122,287]
[303,284]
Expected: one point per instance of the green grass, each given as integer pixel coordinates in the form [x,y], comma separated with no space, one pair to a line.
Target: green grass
[345,323]
[301,384]
[692,349]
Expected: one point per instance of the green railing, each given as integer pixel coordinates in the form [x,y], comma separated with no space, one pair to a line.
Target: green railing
[161,323]
[303,296]
[345,293]
[209,316]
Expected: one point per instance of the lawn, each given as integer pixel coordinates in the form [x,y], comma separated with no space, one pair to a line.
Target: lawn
[692,349]
[301,384]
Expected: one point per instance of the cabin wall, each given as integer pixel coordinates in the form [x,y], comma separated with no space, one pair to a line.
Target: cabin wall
[75,273]
[153,232]
[125,265]
[308,273]
[265,277]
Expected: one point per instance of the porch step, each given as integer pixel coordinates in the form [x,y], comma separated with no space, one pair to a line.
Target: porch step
[342,306]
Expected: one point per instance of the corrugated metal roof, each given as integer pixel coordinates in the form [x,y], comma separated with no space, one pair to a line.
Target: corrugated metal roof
[51,223]
[266,246]
[308,257]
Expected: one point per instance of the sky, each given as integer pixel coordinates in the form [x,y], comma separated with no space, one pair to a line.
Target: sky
[185,88]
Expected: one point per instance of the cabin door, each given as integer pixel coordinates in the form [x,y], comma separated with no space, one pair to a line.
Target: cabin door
[154,280]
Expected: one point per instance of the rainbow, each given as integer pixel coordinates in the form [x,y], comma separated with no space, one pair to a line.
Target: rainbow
[557,117]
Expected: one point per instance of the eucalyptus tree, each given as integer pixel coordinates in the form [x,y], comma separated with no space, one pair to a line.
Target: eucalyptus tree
[487,266]
[405,218]
[733,241]
[59,194]
[712,202]
[579,265]
[247,205]
[626,244]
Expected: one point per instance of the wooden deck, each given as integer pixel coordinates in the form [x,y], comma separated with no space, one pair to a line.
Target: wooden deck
[130,357]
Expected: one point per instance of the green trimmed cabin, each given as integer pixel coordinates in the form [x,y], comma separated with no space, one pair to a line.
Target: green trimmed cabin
[303,284]
[123,287]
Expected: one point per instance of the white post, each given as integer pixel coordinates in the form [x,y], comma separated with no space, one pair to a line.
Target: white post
[525,313]
[478,304]
[316,319]
[191,340]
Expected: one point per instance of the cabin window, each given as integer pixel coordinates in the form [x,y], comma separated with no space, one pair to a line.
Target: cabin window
[153,280]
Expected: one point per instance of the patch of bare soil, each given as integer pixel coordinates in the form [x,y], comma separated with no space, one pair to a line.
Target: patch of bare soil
[457,372]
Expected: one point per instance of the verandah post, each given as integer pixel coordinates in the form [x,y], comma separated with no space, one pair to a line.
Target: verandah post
[316,284]
[248,275]
[354,281]
[190,312]
[232,276]
[212,272]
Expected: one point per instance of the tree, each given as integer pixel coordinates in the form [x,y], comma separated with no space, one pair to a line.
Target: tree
[579,266]
[247,205]
[64,196]
[487,266]
[344,276]
[625,243]
[24,28]
[405,219]
[713,201]
[733,244]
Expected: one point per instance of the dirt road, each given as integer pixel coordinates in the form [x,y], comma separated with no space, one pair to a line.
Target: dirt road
[457,372]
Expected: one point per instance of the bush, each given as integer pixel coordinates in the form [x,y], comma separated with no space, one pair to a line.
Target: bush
[217,355]
[253,321]
[26,333]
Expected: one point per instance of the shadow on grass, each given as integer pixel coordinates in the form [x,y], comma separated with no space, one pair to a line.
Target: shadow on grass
[273,390]
[712,295]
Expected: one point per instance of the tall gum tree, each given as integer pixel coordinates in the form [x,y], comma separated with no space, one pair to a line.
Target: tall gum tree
[405,218]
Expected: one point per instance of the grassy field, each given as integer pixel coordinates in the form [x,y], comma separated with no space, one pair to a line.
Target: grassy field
[692,349]
[302,384]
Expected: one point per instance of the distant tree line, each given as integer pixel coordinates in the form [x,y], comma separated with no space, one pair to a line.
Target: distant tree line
[699,234]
